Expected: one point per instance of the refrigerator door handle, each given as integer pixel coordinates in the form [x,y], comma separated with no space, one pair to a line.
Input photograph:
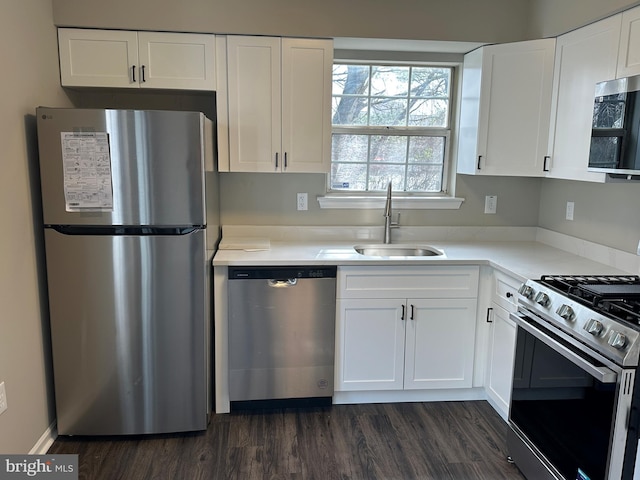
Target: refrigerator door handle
[124,230]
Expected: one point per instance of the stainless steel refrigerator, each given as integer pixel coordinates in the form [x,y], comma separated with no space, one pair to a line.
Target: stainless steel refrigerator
[124,210]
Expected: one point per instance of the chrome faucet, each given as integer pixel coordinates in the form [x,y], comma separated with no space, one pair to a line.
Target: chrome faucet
[388,223]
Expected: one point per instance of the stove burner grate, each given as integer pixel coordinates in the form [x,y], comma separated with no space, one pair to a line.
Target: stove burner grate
[618,296]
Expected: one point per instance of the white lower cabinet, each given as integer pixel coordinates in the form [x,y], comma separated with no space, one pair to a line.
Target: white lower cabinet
[401,342]
[370,344]
[440,337]
[502,342]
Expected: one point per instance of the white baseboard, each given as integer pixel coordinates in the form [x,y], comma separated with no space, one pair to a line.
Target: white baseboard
[398,396]
[45,441]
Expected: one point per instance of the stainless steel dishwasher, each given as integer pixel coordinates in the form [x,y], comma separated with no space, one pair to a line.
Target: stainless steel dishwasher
[281,332]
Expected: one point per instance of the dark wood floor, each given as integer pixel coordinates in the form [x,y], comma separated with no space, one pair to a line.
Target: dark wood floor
[441,440]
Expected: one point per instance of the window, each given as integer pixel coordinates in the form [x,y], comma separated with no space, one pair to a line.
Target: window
[390,123]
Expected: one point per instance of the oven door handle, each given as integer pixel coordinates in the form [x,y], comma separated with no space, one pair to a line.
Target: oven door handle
[601,373]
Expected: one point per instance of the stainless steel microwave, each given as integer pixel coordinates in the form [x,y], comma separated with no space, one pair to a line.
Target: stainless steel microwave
[615,130]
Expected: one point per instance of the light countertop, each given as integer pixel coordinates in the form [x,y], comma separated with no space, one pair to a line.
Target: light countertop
[523,259]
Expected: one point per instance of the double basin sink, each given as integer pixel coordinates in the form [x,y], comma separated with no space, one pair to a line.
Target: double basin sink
[397,250]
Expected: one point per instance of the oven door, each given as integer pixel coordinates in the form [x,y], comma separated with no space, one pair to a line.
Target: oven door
[569,407]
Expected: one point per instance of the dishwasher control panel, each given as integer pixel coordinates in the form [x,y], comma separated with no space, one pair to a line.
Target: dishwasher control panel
[243,273]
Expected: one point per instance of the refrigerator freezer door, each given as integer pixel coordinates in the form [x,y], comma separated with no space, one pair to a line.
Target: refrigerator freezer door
[156,169]
[129,331]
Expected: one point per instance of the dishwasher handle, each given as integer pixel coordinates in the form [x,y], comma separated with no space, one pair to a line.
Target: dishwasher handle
[279,283]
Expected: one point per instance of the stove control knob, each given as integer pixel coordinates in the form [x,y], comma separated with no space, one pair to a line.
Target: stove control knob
[618,340]
[543,299]
[594,327]
[566,312]
[526,291]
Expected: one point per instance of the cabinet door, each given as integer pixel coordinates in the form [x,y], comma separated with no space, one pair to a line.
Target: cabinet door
[502,342]
[254,103]
[629,52]
[97,58]
[370,337]
[440,343]
[515,106]
[306,104]
[176,60]
[584,57]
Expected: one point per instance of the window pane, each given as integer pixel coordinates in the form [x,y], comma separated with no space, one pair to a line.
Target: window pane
[426,150]
[381,174]
[430,82]
[349,176]
[388,149]
[349,110]
[429,113]
[389,81]
[349,148]
[424,178]
[350,80]
[388,111]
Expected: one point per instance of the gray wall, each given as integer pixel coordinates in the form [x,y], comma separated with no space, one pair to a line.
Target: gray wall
[31,78]
[604,213]
[550,18]
[270,199]
[461,20]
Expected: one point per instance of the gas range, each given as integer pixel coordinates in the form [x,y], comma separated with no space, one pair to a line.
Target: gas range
[600,311]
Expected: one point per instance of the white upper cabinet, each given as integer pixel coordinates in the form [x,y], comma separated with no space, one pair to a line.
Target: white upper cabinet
[306,104]
[584,57]
[629,54]
[279,104]
[254,103]
[125,59]
[177,60]
[506,101]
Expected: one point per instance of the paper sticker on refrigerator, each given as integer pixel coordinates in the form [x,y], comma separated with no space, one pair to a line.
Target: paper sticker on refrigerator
[87,171]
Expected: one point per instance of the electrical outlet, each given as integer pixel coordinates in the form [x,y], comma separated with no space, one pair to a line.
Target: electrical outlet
[490,203]
[302,201]
[3,398]
[570,208]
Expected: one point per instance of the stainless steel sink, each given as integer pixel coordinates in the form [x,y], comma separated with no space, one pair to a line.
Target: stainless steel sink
[398,250]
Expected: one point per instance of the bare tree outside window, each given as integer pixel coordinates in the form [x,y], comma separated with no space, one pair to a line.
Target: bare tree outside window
[390,122]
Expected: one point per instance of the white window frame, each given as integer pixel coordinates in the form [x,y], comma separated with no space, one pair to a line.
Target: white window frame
[404,200]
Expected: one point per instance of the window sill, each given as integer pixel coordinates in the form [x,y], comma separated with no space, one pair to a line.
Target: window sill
[402,203]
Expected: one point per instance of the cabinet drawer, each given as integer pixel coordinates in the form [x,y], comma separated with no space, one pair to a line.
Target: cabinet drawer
[404,282]
[505,291]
